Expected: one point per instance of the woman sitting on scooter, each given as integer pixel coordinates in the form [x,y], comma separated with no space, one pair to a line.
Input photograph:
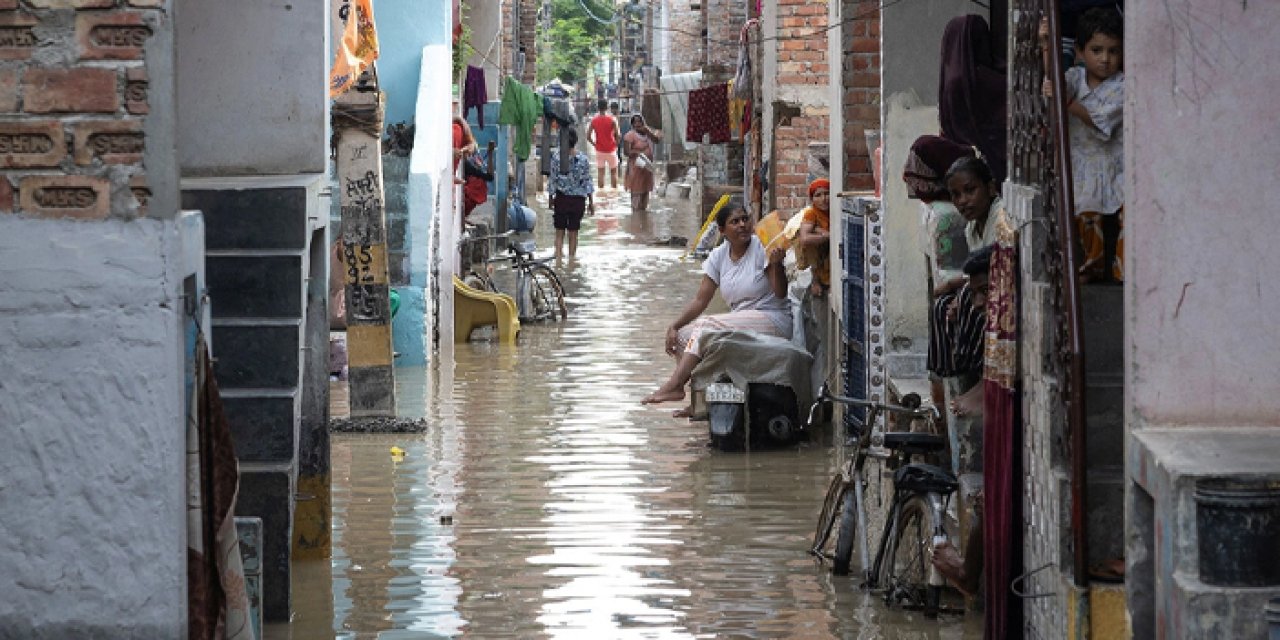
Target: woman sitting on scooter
[751,281]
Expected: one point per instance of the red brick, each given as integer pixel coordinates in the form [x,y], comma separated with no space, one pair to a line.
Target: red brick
[17,35]
[71,4]
[141,193]
[75,90]
[110,141]
[111,36]
[6,195]
[8,90]
[31,144]
[136,91]
[866,44]
[65,197]
[6,5]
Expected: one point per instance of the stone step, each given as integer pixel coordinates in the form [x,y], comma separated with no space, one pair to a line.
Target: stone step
[265,218]
[1102,309]
[1104,420]
[272,500]
[255,286]
[256,356]
[1106,513]
[262,426]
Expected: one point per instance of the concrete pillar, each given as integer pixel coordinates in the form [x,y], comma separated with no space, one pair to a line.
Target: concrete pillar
[364,253]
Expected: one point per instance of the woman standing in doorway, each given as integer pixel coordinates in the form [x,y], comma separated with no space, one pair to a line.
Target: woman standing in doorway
[638,147]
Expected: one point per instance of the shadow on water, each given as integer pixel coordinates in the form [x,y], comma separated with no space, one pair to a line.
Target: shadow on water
[547,502]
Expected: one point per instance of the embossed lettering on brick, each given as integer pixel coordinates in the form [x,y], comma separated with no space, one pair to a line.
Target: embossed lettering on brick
[111,36]
[135,91]
[18,38]
[64,196]
[113,142]
[31,144]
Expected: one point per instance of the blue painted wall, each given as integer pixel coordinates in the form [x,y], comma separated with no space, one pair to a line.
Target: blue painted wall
[404,27]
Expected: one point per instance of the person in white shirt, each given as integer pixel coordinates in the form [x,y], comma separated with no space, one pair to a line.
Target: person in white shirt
[752,281]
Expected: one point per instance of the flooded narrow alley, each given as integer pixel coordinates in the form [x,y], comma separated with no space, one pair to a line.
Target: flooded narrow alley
[546,501]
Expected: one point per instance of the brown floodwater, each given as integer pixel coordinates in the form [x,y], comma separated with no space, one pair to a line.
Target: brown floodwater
[546,502]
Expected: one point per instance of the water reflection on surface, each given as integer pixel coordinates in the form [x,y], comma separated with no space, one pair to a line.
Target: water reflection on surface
[547,502]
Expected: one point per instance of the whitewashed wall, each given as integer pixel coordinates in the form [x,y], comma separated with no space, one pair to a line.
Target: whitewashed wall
[92,476]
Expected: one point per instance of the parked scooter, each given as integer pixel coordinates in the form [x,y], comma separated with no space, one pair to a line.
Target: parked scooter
[754,385]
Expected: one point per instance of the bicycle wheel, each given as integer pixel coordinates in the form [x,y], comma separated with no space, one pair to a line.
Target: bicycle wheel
[847,534]
[546,294]
[904,574]
[831,506]
[479,282]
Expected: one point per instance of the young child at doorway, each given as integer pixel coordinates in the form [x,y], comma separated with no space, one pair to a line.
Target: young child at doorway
[1095,111]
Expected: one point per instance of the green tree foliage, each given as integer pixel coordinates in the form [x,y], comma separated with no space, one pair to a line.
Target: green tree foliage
[573,43]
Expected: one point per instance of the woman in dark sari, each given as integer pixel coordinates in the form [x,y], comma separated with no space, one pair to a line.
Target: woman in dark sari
[973,90]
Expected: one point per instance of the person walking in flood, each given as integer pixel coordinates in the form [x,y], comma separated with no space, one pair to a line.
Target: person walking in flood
[637,145]
[752,282]
[604,137]
[570,194]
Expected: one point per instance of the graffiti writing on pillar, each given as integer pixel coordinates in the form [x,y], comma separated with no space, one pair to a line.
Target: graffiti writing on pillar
[364,300]
[359,187]
[360,153]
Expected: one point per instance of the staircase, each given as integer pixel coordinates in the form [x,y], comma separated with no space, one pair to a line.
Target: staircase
[1103,311]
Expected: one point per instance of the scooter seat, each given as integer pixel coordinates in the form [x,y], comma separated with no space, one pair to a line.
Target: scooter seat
[924,478]
[915,443]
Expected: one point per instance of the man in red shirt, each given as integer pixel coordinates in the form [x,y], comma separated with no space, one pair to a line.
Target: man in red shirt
[604,136]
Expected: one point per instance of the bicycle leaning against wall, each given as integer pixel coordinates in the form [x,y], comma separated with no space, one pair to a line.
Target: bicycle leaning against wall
[539,293]
[902,569]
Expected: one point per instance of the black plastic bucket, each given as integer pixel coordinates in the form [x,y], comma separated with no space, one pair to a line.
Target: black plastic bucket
[1238,527]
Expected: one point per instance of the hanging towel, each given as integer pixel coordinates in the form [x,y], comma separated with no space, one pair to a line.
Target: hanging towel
[520,108]
[709,114]
[474,93]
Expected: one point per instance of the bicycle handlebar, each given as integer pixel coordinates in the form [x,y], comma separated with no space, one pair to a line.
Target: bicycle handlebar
[916,412]
[508,234]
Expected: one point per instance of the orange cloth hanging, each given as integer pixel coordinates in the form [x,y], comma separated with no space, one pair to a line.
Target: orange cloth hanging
[357,49]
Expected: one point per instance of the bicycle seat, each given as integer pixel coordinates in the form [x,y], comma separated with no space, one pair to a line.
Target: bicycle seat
[524,247]
[924,478]
[915,443]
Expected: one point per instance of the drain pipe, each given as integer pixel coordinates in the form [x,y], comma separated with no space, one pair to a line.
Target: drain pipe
[1071,301]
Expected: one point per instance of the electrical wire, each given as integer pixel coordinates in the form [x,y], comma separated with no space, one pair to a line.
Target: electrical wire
[614,20]
[800,36]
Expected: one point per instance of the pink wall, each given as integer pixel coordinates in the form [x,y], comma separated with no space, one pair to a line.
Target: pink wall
[1202,136]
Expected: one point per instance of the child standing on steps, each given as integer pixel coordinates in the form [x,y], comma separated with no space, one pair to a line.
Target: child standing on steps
[1095,112]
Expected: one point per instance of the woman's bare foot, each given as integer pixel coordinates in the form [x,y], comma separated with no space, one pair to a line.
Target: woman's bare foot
[968,403]
[664,395]
[686,412]
[947,560]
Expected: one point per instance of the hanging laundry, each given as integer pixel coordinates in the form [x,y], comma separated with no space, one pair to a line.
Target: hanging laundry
[474,93]
[357,49]
[739,114]
[520,108]
[709,114]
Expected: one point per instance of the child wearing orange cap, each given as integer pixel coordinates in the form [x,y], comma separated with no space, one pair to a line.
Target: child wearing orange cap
[813,248]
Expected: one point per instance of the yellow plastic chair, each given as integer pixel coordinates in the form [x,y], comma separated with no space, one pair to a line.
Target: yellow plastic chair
[473,308]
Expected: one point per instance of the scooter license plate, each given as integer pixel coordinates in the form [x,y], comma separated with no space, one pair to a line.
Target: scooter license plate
[725,393]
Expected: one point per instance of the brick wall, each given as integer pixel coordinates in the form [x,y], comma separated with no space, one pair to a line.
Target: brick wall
[860,71]
[685,38]
[528,38]
[800,141]
[73,102]
[724,20]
